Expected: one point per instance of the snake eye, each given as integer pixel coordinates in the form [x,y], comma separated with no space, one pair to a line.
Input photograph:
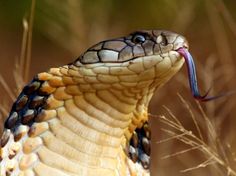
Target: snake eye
[138,38]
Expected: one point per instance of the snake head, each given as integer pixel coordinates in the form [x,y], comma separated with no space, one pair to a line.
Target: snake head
[146,55]
[144,60]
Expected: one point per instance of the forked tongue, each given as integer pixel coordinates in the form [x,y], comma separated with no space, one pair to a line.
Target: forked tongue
[193,78]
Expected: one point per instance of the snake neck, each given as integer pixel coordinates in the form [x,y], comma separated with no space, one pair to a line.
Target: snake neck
[87,123]
[118,106]
[63,121]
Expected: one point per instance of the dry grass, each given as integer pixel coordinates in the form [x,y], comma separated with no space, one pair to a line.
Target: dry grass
[194,139]
[21,68]
[214,151]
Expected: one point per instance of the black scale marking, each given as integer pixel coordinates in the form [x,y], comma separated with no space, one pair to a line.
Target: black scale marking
[139,148]
[28,105]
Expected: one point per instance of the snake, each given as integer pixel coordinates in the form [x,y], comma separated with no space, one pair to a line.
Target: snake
[90,117]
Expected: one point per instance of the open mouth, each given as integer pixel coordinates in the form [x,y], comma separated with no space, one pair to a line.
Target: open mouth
[192,77]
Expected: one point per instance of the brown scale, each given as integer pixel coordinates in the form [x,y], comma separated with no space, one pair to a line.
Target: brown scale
[139,148]
[26,108]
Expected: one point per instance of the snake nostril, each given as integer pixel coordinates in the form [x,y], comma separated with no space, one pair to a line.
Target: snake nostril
[186,45]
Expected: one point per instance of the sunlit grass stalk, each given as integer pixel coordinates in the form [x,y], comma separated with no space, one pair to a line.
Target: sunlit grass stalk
[22,65]
[176,130]
[29,41]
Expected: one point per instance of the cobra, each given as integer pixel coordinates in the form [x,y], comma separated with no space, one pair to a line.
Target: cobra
[90,117]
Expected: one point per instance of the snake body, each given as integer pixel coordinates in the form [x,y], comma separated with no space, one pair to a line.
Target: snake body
[90,117]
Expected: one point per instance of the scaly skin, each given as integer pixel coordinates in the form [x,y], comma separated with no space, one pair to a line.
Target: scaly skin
[90,117]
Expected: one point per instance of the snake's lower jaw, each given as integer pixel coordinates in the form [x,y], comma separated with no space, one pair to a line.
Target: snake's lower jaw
[167,68]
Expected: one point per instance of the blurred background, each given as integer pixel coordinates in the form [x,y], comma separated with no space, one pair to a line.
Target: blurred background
[62,30]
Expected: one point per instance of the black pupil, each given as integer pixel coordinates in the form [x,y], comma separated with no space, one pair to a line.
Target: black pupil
[138,39]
